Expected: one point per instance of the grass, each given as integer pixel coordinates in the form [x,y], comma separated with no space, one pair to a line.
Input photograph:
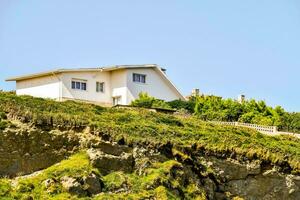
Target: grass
[3,121]
[146,186]
[140,125]
[76,166]
[5,188]
[157,181]
[134,126]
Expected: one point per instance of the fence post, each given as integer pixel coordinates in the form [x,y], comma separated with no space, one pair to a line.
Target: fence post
[236,123]
[275,129]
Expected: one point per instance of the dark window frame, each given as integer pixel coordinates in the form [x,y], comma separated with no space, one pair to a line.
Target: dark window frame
[139,78]
[100,86]
[79,85]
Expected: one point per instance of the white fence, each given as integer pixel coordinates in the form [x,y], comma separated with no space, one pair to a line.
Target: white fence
[270,130]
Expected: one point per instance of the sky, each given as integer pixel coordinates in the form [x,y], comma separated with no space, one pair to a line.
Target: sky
[225,48]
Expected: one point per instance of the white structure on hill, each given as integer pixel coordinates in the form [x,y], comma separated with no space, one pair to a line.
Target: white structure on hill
[241,98]
[108,86]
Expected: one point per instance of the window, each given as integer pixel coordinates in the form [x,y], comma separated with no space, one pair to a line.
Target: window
[83,86]
[73,84]
[139,78]
[78,85]
[99,86]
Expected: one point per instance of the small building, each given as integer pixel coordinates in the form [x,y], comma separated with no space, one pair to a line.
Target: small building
[195,92]
[241,98]
[114,85]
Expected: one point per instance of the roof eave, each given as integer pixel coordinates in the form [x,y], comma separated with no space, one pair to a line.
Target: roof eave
[109,68]
[30,76]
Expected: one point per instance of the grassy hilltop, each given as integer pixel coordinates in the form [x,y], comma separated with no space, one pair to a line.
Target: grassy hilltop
[183,136]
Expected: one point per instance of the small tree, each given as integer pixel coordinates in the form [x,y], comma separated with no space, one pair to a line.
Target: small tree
[144,101]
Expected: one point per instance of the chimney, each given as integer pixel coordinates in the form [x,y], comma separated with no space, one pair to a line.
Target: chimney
[241,98]
[164,70]
[195,92]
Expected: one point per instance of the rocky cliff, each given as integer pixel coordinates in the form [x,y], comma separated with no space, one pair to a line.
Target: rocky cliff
[40,158]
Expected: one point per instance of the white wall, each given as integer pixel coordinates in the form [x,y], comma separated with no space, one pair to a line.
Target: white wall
[155,85]
[119,85]
[45,87]
[90,94]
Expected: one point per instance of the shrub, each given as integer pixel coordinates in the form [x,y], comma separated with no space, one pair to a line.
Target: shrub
[180,104]
[157,103]
[146,101]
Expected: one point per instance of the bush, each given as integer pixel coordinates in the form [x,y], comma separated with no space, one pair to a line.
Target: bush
[180,104]
[254,112]
[160,104]
[146,101]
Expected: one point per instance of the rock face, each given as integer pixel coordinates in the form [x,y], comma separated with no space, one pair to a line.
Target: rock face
[85,186]
[25,150]
[268,185]
[230,169]
[249,181]
[111,157]
[28,149]
[93,184]
[72,186]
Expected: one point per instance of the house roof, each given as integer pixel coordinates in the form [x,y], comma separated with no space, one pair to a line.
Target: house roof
[107,68]
[57,71]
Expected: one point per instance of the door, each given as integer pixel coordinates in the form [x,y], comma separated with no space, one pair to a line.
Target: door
[117,100]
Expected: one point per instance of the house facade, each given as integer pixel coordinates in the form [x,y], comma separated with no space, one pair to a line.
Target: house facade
[116,85]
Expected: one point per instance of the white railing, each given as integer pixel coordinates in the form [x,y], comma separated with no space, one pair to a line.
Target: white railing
[270,130]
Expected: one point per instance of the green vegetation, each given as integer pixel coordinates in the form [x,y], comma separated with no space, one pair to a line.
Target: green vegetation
[146,101]
[137,126]
[291,122]
[149,185]
[140,125]
[216,108]
[3,122]
[255,112]
[213,108]
[76,166]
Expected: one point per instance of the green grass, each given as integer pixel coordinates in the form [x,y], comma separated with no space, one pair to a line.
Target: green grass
[140,125]
[5,188]
[76,166]
[152,183]
[3,122]
[146,186]
[134,126]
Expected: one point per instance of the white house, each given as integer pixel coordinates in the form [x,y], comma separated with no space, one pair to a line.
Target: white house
[108,86]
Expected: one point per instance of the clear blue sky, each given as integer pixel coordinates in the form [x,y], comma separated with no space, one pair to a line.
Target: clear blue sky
[222,47]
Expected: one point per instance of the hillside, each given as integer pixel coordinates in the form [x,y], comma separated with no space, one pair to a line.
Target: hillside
[89,152]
